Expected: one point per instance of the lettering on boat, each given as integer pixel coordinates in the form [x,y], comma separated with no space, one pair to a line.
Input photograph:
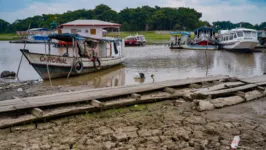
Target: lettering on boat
[53,59]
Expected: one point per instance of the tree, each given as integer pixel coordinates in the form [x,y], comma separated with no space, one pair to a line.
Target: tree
[3,26]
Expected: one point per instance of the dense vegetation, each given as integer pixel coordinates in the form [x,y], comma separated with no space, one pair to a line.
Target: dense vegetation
[133,19]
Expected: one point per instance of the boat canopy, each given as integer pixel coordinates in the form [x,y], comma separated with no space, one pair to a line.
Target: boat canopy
[204,29]
[105,39]
[180,32]
[66,37]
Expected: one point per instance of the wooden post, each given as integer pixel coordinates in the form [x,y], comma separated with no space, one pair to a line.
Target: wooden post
[37,112]
[169,90]
[136,96]
[97,103]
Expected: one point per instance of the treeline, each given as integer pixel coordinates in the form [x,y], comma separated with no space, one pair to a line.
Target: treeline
[222,25]
[132,19]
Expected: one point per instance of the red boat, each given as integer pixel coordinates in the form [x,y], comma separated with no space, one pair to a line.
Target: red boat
[204,36]
[138,40]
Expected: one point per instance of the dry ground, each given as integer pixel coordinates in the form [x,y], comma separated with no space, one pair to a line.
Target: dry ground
[164,125]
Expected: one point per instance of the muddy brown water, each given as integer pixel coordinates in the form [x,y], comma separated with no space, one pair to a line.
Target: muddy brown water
[159,60]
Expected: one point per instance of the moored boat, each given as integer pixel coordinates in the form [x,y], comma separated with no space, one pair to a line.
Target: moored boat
[204,36]
[262,37]
[137,40]
[242,39]
[88,55]
[179,39]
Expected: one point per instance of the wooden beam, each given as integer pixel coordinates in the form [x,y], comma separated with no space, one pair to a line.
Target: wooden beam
[37,112]
[136,96]
[219,87]
[228,91]
[169,90]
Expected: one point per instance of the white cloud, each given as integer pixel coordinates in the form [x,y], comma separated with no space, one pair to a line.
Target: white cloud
[212,10]
[224,10]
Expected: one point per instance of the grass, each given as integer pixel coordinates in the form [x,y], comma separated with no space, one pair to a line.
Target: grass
[151,36]
[8,36]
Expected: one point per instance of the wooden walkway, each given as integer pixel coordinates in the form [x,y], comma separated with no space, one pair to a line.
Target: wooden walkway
[221,91]
[86,95]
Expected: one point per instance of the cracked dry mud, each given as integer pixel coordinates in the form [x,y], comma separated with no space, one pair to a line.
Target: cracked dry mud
[165,125]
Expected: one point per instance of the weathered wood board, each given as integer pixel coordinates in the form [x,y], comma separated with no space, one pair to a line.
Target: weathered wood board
[228,91]
[255,79]
[85,95]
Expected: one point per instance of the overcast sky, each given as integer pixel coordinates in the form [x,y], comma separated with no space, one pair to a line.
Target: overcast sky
[253,11]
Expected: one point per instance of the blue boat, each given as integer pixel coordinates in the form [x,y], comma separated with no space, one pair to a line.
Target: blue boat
[178,39]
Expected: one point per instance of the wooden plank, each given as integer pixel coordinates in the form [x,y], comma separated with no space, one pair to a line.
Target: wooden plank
[58,112]
[85,95]
[229,91]
[219,87]
[255,79]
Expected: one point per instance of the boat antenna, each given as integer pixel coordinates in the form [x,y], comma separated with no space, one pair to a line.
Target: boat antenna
[22,54]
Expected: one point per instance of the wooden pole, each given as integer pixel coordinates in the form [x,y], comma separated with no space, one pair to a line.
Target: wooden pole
[207,67]
[47,67]
[73,45]
[22,55]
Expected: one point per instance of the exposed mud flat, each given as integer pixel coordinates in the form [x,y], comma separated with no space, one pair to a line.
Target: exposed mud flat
[164,125]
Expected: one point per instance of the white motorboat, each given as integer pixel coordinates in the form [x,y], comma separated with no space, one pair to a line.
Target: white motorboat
[242,39]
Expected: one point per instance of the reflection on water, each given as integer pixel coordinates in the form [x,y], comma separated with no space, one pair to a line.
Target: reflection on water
[106,78]
[163,63]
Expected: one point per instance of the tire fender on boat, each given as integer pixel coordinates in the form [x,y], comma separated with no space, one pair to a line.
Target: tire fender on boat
[78,66]
[97,64]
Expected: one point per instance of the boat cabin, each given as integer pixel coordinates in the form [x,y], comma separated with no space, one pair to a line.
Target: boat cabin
[237,34]
[89,47]
[204,31]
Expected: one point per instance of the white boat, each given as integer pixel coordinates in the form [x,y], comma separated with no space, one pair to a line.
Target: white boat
[238,39]
[89,55]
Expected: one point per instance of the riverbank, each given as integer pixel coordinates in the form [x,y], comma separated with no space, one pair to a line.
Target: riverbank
[8,36]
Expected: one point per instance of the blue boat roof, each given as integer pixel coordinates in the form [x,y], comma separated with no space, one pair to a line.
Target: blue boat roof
[66,37]
[180,32]
[204,28]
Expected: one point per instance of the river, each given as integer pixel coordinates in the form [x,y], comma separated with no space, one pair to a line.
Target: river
[163,63]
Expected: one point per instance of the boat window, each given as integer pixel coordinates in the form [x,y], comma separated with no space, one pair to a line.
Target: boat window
[254,34]
[247,33]
[240,34]
[235,35]
[231,36]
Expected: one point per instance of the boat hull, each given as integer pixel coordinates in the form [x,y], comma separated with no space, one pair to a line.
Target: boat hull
[200,47]
[240,45]
[59,66]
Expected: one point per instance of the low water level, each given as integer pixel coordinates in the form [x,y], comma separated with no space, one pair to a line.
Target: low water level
[163,63]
